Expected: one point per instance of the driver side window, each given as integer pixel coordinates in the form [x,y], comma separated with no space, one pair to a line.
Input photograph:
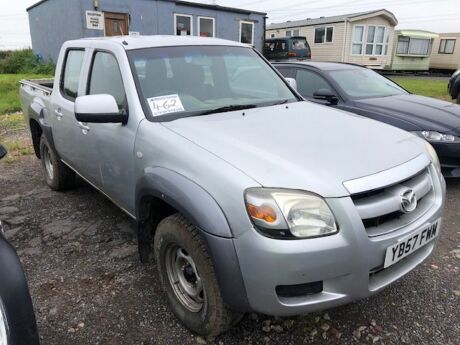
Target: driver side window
[106,78]
[308,82]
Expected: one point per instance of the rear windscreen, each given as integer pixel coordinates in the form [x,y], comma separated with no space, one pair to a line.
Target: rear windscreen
[299,43]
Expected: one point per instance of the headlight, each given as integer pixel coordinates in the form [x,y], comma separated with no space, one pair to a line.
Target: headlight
[436,137]
[289,214]
[3,326]
[434,156]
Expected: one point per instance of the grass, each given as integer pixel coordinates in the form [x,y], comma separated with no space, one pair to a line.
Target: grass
[11,121]
[9,90]
[436,88]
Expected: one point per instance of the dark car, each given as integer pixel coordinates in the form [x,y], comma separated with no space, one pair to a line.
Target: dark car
[287,48]
[17,318]
[454,86]
[365,92]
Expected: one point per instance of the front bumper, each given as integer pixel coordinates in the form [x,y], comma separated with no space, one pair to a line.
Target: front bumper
[449,157]
[349,264]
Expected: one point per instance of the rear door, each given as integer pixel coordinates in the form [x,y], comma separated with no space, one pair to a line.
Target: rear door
[65,127]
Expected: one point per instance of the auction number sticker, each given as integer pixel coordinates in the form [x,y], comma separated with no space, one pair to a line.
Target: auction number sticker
[165,104]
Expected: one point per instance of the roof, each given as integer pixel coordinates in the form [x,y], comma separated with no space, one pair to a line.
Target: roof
[191,4]
[327,66]
[417,33]
[333,19]
[141,41]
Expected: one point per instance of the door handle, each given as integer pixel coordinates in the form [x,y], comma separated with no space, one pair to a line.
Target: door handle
[85,129]
[58,113]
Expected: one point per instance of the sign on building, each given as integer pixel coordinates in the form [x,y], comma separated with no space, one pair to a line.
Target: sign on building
[94,20]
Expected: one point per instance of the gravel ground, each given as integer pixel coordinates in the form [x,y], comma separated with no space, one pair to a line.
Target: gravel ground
[88,287]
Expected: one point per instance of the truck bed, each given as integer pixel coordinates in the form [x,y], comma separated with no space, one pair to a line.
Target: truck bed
[33,85]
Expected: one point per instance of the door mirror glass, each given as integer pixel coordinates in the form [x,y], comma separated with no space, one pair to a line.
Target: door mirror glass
[292,82]
[326,95]
[101,108]
[3,151]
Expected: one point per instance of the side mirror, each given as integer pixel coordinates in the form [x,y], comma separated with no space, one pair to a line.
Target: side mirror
[3,151]
[326,95]
[99,109]
[292,82]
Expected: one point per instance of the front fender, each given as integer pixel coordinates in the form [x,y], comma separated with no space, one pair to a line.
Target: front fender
[186,196]
[14,294]
[197,205]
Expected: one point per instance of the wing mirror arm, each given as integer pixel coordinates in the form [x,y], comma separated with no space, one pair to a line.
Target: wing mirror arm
[326,95]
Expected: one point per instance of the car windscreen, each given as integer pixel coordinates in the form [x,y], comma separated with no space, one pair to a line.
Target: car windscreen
[365,83]
[196,80]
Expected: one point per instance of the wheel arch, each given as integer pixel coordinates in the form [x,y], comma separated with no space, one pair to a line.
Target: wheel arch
[162,192]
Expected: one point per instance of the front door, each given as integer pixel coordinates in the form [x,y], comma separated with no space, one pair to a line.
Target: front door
[113,143]
[116,24]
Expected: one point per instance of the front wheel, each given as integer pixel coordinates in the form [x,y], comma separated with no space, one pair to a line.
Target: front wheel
[188,277]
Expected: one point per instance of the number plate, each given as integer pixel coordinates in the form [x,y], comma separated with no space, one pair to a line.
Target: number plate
[410,244]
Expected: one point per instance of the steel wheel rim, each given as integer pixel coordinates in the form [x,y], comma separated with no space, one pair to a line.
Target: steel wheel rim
[48,163]
[184,278]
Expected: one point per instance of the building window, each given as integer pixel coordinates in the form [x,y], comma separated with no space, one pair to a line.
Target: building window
[183,25]
[206,26]
[324,34]
[375,40]
[296,32]
[447,46]
[357,45]
[288,33]
[247,32]
[413,46]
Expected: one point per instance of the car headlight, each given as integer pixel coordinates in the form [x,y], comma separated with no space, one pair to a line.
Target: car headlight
[433,156]
[3,326]
[289,214]
[437,137]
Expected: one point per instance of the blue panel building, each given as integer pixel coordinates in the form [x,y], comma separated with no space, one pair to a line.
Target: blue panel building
[53,22]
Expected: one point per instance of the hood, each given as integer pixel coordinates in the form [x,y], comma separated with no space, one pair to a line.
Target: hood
[301,146]
[423,112]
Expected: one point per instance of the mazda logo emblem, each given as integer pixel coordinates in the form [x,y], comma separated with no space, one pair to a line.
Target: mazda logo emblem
[408,201]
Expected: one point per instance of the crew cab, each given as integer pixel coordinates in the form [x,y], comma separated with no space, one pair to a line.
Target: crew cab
[252,198]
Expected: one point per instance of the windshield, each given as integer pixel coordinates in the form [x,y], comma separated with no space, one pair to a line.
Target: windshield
[365,83]
[198,80]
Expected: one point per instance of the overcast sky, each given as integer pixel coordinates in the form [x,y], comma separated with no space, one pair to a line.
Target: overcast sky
[433,15]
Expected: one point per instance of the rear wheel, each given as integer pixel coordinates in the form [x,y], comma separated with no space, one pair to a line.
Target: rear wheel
[458,98]
[188,277]
[58,176]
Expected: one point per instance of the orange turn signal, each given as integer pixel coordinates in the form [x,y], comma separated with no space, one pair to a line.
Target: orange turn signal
[263,212]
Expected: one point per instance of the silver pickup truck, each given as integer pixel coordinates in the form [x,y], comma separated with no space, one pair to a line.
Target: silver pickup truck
[252,198]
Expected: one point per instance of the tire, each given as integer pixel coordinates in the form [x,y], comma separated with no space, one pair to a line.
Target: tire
[458,98]
[178,243]
[58,176]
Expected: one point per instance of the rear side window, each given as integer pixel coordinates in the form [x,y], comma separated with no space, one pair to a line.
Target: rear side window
[106,78]
[71,75]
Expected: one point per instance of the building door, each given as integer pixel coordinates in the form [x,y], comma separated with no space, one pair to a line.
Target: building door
[116,24]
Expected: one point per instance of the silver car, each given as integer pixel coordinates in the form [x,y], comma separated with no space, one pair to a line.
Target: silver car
[253,199]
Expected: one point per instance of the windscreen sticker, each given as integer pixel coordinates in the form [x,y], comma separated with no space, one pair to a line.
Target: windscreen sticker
[165,104]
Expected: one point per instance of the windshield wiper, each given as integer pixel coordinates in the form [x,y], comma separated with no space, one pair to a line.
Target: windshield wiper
[227,108]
